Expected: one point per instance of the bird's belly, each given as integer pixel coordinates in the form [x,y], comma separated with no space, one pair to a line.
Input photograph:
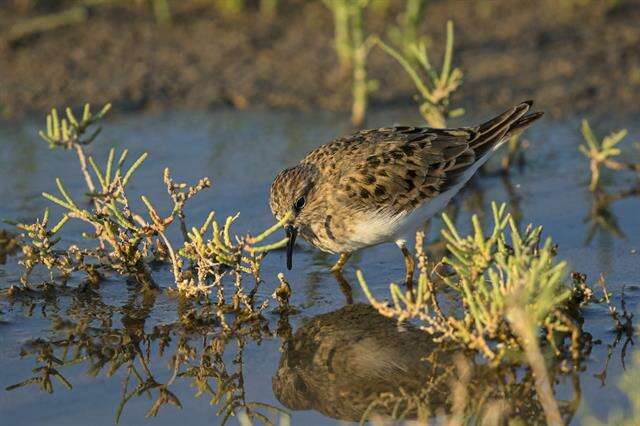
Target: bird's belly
[376,228]
[379,228]
[416,219]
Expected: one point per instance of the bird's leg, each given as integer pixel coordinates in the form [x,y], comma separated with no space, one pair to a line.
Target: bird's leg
[339,265]
[337,273]
[409,264]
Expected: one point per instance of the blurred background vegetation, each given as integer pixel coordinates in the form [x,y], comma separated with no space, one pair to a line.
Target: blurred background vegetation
[570,55]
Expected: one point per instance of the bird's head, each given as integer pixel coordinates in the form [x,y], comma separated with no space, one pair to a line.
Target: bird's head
[293,196]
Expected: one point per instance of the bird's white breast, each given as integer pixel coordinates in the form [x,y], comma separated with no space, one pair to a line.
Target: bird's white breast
[377,227]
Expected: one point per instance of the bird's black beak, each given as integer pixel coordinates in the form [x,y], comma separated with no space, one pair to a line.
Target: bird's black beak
[291,233]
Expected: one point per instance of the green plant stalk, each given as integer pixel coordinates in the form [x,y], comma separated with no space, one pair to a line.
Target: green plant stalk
[162,12]
[133,168]
[413,14]
[448,56]
[342,39]
[262,236]
[360,89]
[420,85]
[601,153]
[230,7]
[40,24]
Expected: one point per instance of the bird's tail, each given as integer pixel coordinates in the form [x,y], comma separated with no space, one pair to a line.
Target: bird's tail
[510,123]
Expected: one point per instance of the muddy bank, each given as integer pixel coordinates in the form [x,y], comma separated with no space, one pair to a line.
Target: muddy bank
[571,56]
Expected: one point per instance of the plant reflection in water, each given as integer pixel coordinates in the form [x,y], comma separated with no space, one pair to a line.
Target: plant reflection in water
[112,339]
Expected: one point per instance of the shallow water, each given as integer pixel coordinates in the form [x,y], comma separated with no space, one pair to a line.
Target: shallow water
[241,152]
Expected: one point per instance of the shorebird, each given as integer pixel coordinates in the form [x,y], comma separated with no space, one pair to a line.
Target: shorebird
[381,185]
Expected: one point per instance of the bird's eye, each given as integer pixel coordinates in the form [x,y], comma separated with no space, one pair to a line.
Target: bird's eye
[299,204]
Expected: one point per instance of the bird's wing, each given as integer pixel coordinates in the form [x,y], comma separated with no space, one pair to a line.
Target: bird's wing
[404,167]
[399,168]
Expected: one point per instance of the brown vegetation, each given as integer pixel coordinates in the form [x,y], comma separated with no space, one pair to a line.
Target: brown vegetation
[568,55]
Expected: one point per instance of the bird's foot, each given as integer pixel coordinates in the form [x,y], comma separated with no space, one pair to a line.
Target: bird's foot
[409,264]
[344,284]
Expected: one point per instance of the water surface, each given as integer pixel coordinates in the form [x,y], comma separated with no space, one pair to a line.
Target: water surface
[241,152]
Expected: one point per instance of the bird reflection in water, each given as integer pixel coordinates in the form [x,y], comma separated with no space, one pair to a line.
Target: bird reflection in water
[353,364]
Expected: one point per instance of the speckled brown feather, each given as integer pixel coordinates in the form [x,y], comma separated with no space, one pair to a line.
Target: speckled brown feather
[388,170]
[399,168]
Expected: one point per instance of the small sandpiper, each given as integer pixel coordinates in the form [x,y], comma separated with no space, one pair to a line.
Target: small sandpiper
[381,185]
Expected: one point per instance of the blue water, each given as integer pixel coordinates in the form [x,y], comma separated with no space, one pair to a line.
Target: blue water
[241,152]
